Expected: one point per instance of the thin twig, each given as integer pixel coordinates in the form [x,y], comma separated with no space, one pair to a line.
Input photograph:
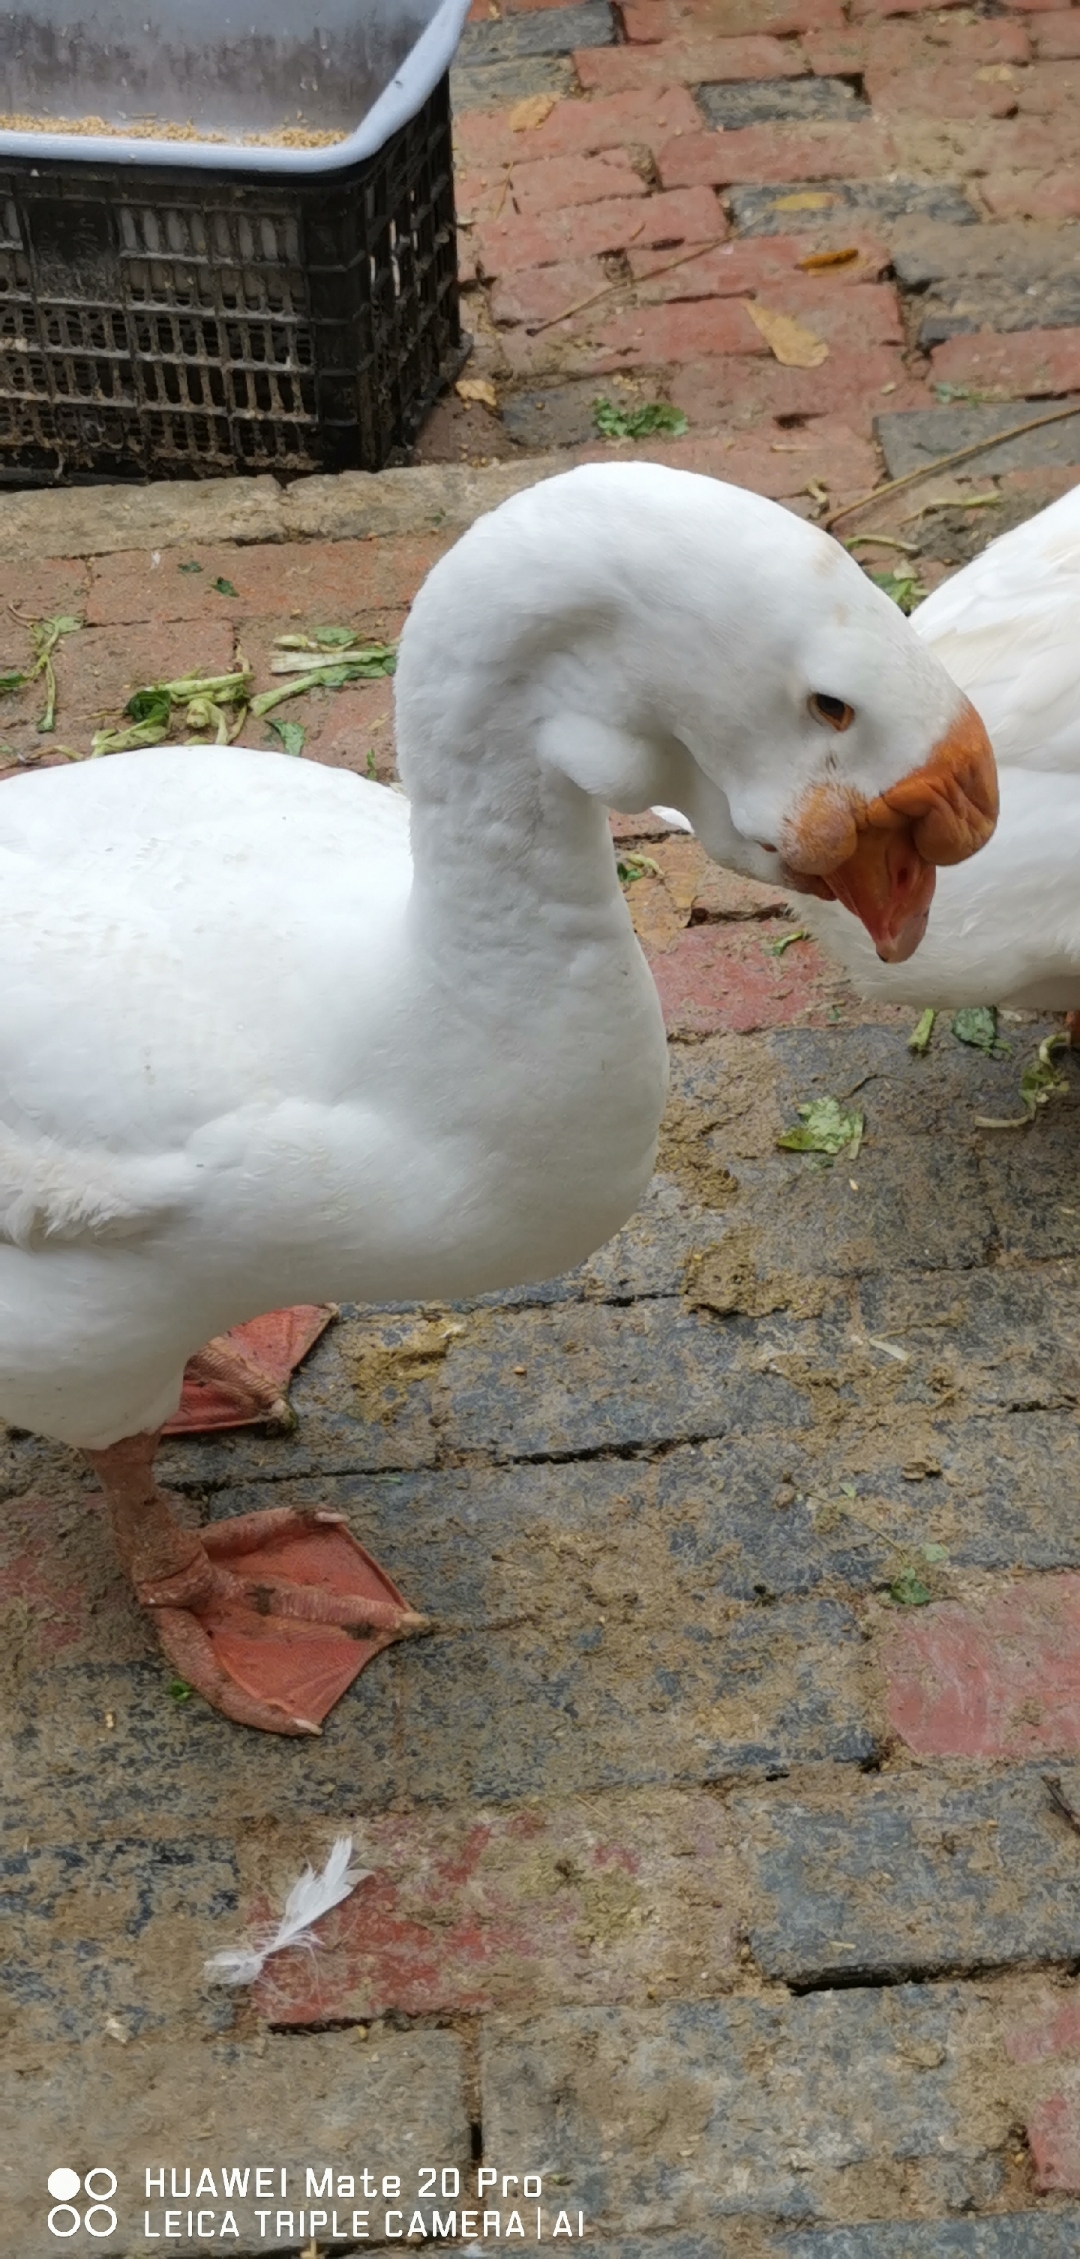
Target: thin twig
[682,261]
[945,462]
[1060,1801]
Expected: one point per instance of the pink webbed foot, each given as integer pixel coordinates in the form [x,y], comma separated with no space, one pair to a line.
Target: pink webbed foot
[295,1610]
[242,1377]
[269,1616]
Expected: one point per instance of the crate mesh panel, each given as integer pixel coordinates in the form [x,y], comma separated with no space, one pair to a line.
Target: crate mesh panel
[200,323]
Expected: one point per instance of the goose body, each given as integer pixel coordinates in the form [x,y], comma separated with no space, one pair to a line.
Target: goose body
[1004,929]
[270,1033]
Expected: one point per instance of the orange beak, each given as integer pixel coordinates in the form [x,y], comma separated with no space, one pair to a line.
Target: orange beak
[879,857]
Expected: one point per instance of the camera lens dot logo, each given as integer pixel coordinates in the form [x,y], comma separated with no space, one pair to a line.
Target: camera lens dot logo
[99,2184]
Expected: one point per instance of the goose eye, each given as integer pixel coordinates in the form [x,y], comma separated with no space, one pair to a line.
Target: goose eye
[832,711]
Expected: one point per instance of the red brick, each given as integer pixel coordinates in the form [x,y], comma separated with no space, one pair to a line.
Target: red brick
[352,728]
[1033,195]
[997,1679]
[649,20]
[1057,37]
[654,336]
[689,216]
[309,583]
[954,90]
[694,328]
[848,384]
[577,129]
[751,267]
[555,183]
[540,294]
[482,195]
[517,1908]
[1038,7]
[1052,2033]
[58,584]
[943,91]
[775,153]
[908,43]
[1024,364]
[899,7]
[828,453]
[687,61]
[720,979]
[1053,2132]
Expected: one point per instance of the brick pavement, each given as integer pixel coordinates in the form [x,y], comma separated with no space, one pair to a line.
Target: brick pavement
[714,1874]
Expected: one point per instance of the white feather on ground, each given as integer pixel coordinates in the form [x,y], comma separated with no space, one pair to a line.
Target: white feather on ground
[307,1902]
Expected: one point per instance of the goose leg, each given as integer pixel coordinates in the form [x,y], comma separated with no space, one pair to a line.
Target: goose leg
[269,1616]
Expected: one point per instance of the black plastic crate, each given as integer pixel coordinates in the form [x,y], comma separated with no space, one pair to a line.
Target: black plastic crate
[175,322]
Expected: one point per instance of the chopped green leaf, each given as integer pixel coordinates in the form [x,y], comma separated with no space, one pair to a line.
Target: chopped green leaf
[976,1025]
[919,1039]
[150,705]
[224,587]
[935,1553]
[293,736]
[334,638]
[631,867]
[904,586]
[14,680]
[777,948]
[180,1690]
[908,1590]
[826,1128]
[190,567]
[370,763]
[637,423]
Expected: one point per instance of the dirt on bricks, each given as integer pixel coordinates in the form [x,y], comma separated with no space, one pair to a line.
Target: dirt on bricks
[723,1836]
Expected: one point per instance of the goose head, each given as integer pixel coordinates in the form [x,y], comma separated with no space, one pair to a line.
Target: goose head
[662,637]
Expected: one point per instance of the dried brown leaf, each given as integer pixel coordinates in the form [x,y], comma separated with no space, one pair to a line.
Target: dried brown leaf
[789,343]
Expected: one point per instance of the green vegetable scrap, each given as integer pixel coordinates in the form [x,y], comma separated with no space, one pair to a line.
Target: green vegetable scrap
[179,1690]
[826,1128]
[1039,1083]
[638,423]
[224,587]
[909,1591]
[362,664]
[977,1026]
[904,586]
[204,698]
[44,635]
[190,567]
[293,736]
[919,1039]
[631,867]
[777,948]
[321,639]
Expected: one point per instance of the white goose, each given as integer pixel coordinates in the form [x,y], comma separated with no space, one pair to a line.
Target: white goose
[265,1037]
[1005,929]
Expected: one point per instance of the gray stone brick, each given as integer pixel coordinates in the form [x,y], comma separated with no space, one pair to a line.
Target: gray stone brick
[673,2118]
[1006,275]
[910,1876]
[179,1767]
[394,2103]
[758,211]
[617,1704]
[919,436]
[548,31]
[760,101]
[1012,2235]
[111,1929]
[491,86]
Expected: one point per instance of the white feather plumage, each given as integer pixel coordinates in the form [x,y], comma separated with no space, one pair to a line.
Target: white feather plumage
[308,1900]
